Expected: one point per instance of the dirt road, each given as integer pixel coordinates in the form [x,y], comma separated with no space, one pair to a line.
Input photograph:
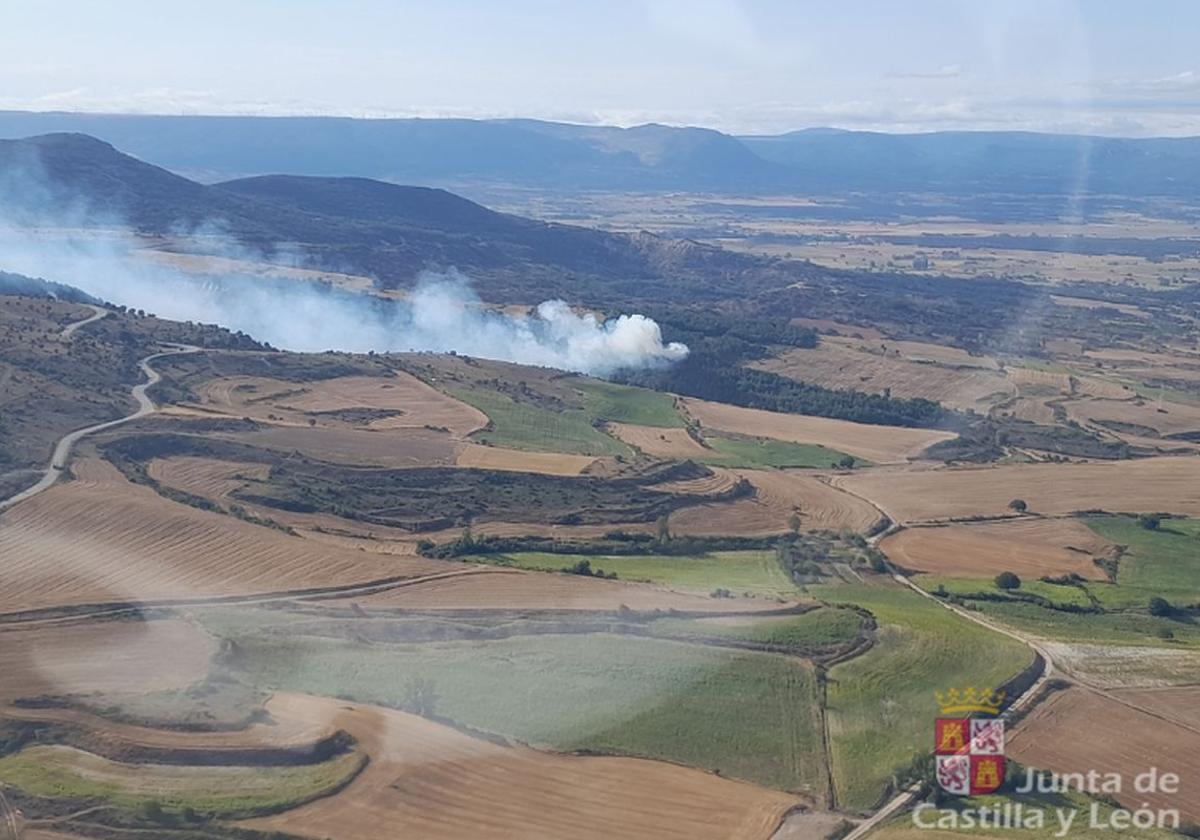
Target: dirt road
[62,451]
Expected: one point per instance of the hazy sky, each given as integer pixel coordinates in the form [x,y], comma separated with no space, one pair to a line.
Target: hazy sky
[738,65]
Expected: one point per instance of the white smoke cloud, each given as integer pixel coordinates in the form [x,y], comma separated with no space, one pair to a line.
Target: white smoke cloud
[442,314]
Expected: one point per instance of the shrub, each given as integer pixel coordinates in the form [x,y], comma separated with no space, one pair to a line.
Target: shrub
[1160,607]
[1008,581]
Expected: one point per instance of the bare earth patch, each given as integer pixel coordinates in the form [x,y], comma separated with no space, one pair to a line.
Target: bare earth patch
[1032,548]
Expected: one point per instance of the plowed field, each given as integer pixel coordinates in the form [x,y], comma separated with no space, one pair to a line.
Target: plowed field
[1078,730]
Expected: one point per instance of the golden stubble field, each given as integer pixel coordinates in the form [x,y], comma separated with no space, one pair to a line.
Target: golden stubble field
[431,781]
[1168,485]
[1032,548]
[881,444]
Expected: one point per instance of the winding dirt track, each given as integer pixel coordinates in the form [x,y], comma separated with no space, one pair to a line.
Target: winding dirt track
[62,451]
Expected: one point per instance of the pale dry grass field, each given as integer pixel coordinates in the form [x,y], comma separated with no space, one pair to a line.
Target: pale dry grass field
[1167,484]
[1126,666]
[881,444]
[1031,548]
[430,781]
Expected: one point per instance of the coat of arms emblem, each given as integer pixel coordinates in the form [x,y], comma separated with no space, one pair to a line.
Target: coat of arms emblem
[970,750]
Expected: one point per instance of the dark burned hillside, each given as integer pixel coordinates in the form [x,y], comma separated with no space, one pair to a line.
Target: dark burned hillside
[421,499]
[50,384]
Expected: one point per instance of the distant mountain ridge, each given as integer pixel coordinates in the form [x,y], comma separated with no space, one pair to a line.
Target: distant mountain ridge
[389,231]
[562,156]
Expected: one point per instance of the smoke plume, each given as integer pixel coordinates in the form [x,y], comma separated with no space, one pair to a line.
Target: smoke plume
[441,314]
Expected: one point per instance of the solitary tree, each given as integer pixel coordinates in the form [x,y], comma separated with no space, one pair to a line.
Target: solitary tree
[1150,521]
[1019,505]
[793,522]
[1008,580]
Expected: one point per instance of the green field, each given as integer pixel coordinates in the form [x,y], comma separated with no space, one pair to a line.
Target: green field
[826,627]
[754,572]
[1119,628]
[752,716]
[605,401]
[881,705]
[66,773]
[757,453]
[1163,563]
[525,426]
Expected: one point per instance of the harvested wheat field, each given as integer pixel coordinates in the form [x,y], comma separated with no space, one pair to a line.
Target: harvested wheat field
[1039,382]
[376,402]
[778,495]
[430,781]
[511,589]
[204,477]
[1032,548]
[881,444]
[1033,409]
[516,460]
[101,539]
[849,364]
[1123,740]
[719,482]
[1170,485]
[108,656]
[923,351]
[395,448]
[658,442]
[1137,415]
[124,741]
